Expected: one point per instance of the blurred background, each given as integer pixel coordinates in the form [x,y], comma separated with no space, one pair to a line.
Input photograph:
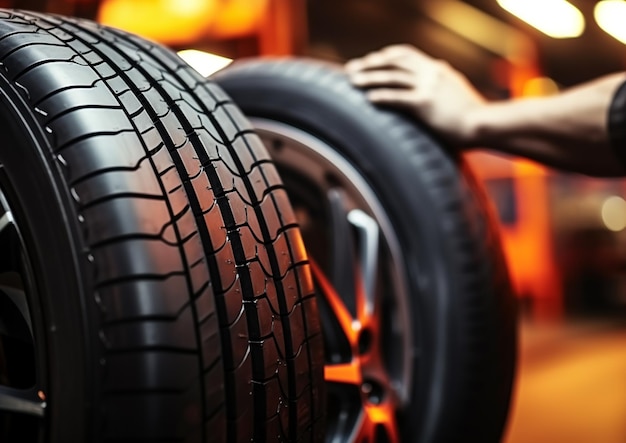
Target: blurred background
[564,234]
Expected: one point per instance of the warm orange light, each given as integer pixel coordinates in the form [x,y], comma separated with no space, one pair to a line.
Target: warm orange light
[238,17]
[183,21]
[168,21]
[556,18]
[540,87]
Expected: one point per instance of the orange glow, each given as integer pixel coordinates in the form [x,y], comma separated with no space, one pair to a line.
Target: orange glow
[571,386]
[349,373]
[528,243]
[540,87]
[284,28]
[520,74]
[184,21]
[382,415]
[238,18]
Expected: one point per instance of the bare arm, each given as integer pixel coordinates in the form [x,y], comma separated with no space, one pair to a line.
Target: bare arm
[567,130]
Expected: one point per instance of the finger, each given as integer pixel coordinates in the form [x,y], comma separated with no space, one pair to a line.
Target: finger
[369,61]
[373,60]
[408,58]
[396,52]
[399,56]
[383,77]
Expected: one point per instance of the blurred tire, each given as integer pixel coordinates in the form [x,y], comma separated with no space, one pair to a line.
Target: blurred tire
[153,283]
[448,342]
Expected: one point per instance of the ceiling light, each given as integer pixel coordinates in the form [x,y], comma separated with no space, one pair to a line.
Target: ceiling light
[614,213]
[204,62]
[480,28]
[611,17]
[555,18]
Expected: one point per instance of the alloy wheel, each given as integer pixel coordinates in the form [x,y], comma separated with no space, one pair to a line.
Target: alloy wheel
[22,395]
[361,285]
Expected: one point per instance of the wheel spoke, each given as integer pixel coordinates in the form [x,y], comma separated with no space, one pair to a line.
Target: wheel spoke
[368,234]
[349,373]
[9,240]
[378,425]
[343,258]
[17,322]
[6,221]
[21,401]
[356,269]
[349,326]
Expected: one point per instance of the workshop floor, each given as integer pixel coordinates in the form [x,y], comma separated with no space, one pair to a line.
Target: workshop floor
[571,384]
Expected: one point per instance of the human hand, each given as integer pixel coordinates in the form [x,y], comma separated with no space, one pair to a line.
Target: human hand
[404,77]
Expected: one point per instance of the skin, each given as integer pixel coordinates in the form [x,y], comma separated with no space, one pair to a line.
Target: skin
[567,130]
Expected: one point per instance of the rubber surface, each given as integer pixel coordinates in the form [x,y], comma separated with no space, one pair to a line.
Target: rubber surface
[461,301]
[175,294]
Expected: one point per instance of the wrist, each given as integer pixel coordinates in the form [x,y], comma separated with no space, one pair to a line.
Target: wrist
[496,123]
[477,127]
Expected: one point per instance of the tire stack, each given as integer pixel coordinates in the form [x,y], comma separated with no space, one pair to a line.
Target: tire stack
[154,282]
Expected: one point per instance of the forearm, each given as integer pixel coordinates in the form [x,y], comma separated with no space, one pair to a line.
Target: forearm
[567,131]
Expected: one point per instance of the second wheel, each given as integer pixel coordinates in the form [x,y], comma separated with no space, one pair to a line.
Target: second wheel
[417,310]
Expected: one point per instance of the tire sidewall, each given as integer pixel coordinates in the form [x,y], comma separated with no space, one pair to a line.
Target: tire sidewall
[58,307]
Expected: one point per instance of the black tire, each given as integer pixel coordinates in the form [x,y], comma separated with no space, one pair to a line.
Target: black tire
[168,295]
[462,325]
